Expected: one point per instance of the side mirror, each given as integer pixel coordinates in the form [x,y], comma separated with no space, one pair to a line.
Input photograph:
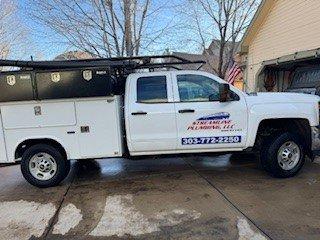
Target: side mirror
[224,92]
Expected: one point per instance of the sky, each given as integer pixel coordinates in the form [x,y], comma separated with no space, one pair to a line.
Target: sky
[45,44]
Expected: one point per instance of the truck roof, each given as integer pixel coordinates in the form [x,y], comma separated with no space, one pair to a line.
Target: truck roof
[159,72]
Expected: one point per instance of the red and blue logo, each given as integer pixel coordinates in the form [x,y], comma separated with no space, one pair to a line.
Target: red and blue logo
[216,116]
[219,121]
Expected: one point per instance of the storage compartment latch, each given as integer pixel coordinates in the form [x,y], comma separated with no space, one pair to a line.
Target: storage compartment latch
[85,129]
[37,110]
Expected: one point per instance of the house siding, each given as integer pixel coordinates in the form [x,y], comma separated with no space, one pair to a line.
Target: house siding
[290,26]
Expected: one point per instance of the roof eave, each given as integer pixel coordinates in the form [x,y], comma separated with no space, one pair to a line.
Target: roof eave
[255,23]
[295,57]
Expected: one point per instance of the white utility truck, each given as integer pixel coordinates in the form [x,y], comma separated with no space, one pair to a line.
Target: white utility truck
[52,112]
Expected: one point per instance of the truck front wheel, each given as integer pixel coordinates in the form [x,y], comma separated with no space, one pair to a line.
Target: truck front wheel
[43,166]
[283,155]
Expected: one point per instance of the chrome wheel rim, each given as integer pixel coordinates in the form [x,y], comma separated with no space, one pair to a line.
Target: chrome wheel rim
[289,155]
[42,166]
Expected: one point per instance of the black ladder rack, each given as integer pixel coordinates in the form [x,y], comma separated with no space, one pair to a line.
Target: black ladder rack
[124,63]
[44,80]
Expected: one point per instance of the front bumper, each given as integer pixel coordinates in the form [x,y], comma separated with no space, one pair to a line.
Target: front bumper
[315,146]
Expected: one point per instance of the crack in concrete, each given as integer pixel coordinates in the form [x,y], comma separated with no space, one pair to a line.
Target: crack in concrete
[69,217]
[227,199]
[55,216]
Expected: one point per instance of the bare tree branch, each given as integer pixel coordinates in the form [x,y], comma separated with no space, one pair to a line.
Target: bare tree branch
[223,21]
[12,32]
[101,27]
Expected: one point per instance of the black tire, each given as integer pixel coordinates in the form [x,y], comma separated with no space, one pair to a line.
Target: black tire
[269,155]
[62,164]
[68,167]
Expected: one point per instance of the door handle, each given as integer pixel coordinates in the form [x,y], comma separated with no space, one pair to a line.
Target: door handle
[186,111]
[138,113]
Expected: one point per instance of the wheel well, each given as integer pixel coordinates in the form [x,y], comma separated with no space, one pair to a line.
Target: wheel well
[298,126]
[22,147]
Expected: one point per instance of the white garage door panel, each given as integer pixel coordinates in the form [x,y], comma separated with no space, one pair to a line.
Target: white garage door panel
[51,115]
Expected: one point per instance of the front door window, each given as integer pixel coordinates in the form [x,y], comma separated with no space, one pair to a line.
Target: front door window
[197,88]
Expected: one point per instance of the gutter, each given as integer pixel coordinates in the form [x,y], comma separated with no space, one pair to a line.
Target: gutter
[295,57]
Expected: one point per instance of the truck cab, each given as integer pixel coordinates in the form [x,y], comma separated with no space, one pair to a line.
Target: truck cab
[181,112]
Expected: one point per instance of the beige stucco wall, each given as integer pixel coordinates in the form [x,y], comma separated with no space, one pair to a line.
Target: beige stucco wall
[290,26]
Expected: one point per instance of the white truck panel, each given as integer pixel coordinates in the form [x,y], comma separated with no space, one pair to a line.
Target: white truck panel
[14,137]
[260,112]
[103,118]
[3,155]
[210,121]
[157,130]
[62,121]
[49,114]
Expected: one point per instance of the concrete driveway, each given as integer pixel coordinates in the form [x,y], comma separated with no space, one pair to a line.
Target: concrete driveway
[202,197]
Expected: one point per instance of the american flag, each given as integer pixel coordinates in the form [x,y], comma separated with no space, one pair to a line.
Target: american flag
[234,73]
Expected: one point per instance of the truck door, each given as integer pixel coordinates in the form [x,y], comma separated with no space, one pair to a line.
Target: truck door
[203,122]
[150,114]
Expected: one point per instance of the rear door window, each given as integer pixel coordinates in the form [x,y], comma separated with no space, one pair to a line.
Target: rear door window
[152,89]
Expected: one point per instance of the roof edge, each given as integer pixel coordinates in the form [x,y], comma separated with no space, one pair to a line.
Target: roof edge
[257,20]
[294,57]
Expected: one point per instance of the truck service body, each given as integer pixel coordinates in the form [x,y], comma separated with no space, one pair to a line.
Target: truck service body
[160,112]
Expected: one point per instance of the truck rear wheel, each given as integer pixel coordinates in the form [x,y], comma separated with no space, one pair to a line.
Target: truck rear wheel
[283,155]
[44,166]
